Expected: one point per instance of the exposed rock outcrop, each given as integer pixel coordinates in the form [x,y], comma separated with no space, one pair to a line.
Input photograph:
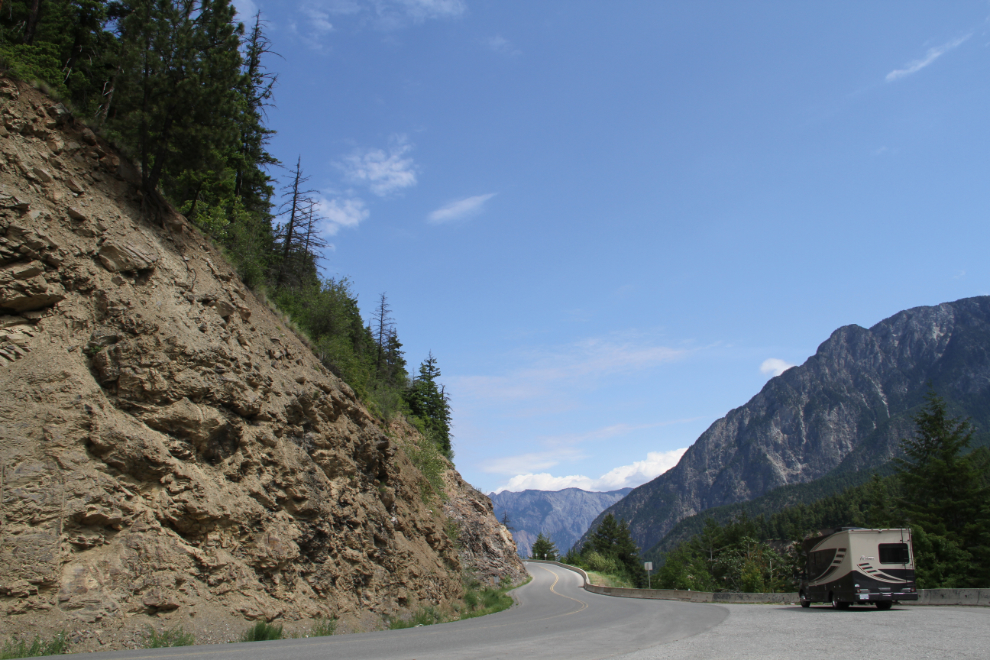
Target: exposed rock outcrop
[845,408]
[168,448]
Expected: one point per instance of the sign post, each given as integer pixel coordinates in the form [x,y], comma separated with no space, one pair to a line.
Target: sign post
[648,565]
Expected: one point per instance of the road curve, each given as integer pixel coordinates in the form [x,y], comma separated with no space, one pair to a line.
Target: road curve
[553,618]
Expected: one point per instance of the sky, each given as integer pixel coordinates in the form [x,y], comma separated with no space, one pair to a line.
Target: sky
[612,223]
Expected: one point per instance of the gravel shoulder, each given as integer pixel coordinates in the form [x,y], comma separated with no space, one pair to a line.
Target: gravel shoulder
[768,632]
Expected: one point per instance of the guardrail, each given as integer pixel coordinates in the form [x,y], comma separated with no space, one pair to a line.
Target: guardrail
[977,597]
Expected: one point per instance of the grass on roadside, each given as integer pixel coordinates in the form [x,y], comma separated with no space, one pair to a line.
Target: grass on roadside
[262,632]
[606,580]
[167,638]
[323,628]
[38,647]
[478,601]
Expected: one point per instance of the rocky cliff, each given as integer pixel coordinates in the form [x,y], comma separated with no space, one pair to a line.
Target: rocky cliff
[169,450]
[846,408]
[562,515]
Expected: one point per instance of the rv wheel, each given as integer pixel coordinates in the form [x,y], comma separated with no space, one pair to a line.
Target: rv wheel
[804,601]
[884,605]
[838,604]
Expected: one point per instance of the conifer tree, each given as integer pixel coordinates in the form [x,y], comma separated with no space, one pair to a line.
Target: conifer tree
[544,548]
[429,402]
[944,499]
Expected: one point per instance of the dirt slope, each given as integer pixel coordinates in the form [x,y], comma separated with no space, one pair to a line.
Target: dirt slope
[170,453]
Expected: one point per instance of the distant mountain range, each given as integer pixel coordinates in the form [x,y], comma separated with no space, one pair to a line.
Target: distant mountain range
[844,410]
[561,515]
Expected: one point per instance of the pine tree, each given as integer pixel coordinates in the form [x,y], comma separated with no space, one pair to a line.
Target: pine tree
[176,95]
[613,538]
[544,548]
[428,401]
[944,499]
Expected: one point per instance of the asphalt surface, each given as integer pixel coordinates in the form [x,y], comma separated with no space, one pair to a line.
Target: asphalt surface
[554,618]
[775,632]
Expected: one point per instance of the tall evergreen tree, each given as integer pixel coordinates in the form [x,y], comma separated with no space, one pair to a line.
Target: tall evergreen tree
[944,498]
[429,402]
[612,538]
[544,548]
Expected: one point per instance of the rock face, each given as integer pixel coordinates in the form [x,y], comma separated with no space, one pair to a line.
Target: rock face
[484,544]
[168,448]
[846,408]
[562,515]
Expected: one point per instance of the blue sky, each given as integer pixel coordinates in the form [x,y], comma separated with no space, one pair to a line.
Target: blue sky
[613,222]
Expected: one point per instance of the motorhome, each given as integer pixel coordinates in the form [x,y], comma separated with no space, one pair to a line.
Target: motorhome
[855,566]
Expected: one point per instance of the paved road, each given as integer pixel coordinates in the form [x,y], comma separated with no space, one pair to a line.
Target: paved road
[554,618]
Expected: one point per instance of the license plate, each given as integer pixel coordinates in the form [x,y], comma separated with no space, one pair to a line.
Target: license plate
[864,596]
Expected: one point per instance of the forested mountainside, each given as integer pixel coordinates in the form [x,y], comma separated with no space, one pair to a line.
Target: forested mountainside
[170,450]
[845,409]
[562,516]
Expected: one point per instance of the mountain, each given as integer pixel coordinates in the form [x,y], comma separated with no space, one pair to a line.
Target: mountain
[562,515]
[170,449]
[845,409]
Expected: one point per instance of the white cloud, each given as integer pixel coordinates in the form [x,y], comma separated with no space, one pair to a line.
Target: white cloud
[386,14]
[342,213]
[502,46]
[932,55]
[626,476]
[529,462]
[317,18]
[550,371]
[423,9]
[246,9]
[775,366]
[459,209]
[382,172]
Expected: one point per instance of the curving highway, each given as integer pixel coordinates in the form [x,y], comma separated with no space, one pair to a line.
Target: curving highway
[554,618]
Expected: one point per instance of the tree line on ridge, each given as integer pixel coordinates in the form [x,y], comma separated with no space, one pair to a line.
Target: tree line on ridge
[181,87]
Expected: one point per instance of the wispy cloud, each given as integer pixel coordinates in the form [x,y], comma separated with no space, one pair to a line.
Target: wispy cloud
[625,476]
[380,14]
[246,9]
[933,54]
[583,362]
[774,366]
[342,213]
[459,209]
[531,461]
[317,18]
[502,46]
[382,172]
[607,432]
[420,10]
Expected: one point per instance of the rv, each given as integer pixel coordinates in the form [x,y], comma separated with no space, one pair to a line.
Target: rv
[854,566]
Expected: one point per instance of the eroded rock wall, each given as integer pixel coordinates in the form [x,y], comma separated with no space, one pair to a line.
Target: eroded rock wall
[167,447]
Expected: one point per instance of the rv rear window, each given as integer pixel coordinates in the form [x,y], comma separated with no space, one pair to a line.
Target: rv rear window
[894,553]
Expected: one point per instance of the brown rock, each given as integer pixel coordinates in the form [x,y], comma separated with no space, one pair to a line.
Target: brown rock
[131,254]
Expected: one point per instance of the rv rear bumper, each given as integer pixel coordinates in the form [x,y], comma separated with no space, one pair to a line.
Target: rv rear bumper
[881,597]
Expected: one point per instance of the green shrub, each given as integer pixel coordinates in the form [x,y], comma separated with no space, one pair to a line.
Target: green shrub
[55,646]
[171,637]
[602,564]
[425,616]
[323,628]
[262,632]
[426,457]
